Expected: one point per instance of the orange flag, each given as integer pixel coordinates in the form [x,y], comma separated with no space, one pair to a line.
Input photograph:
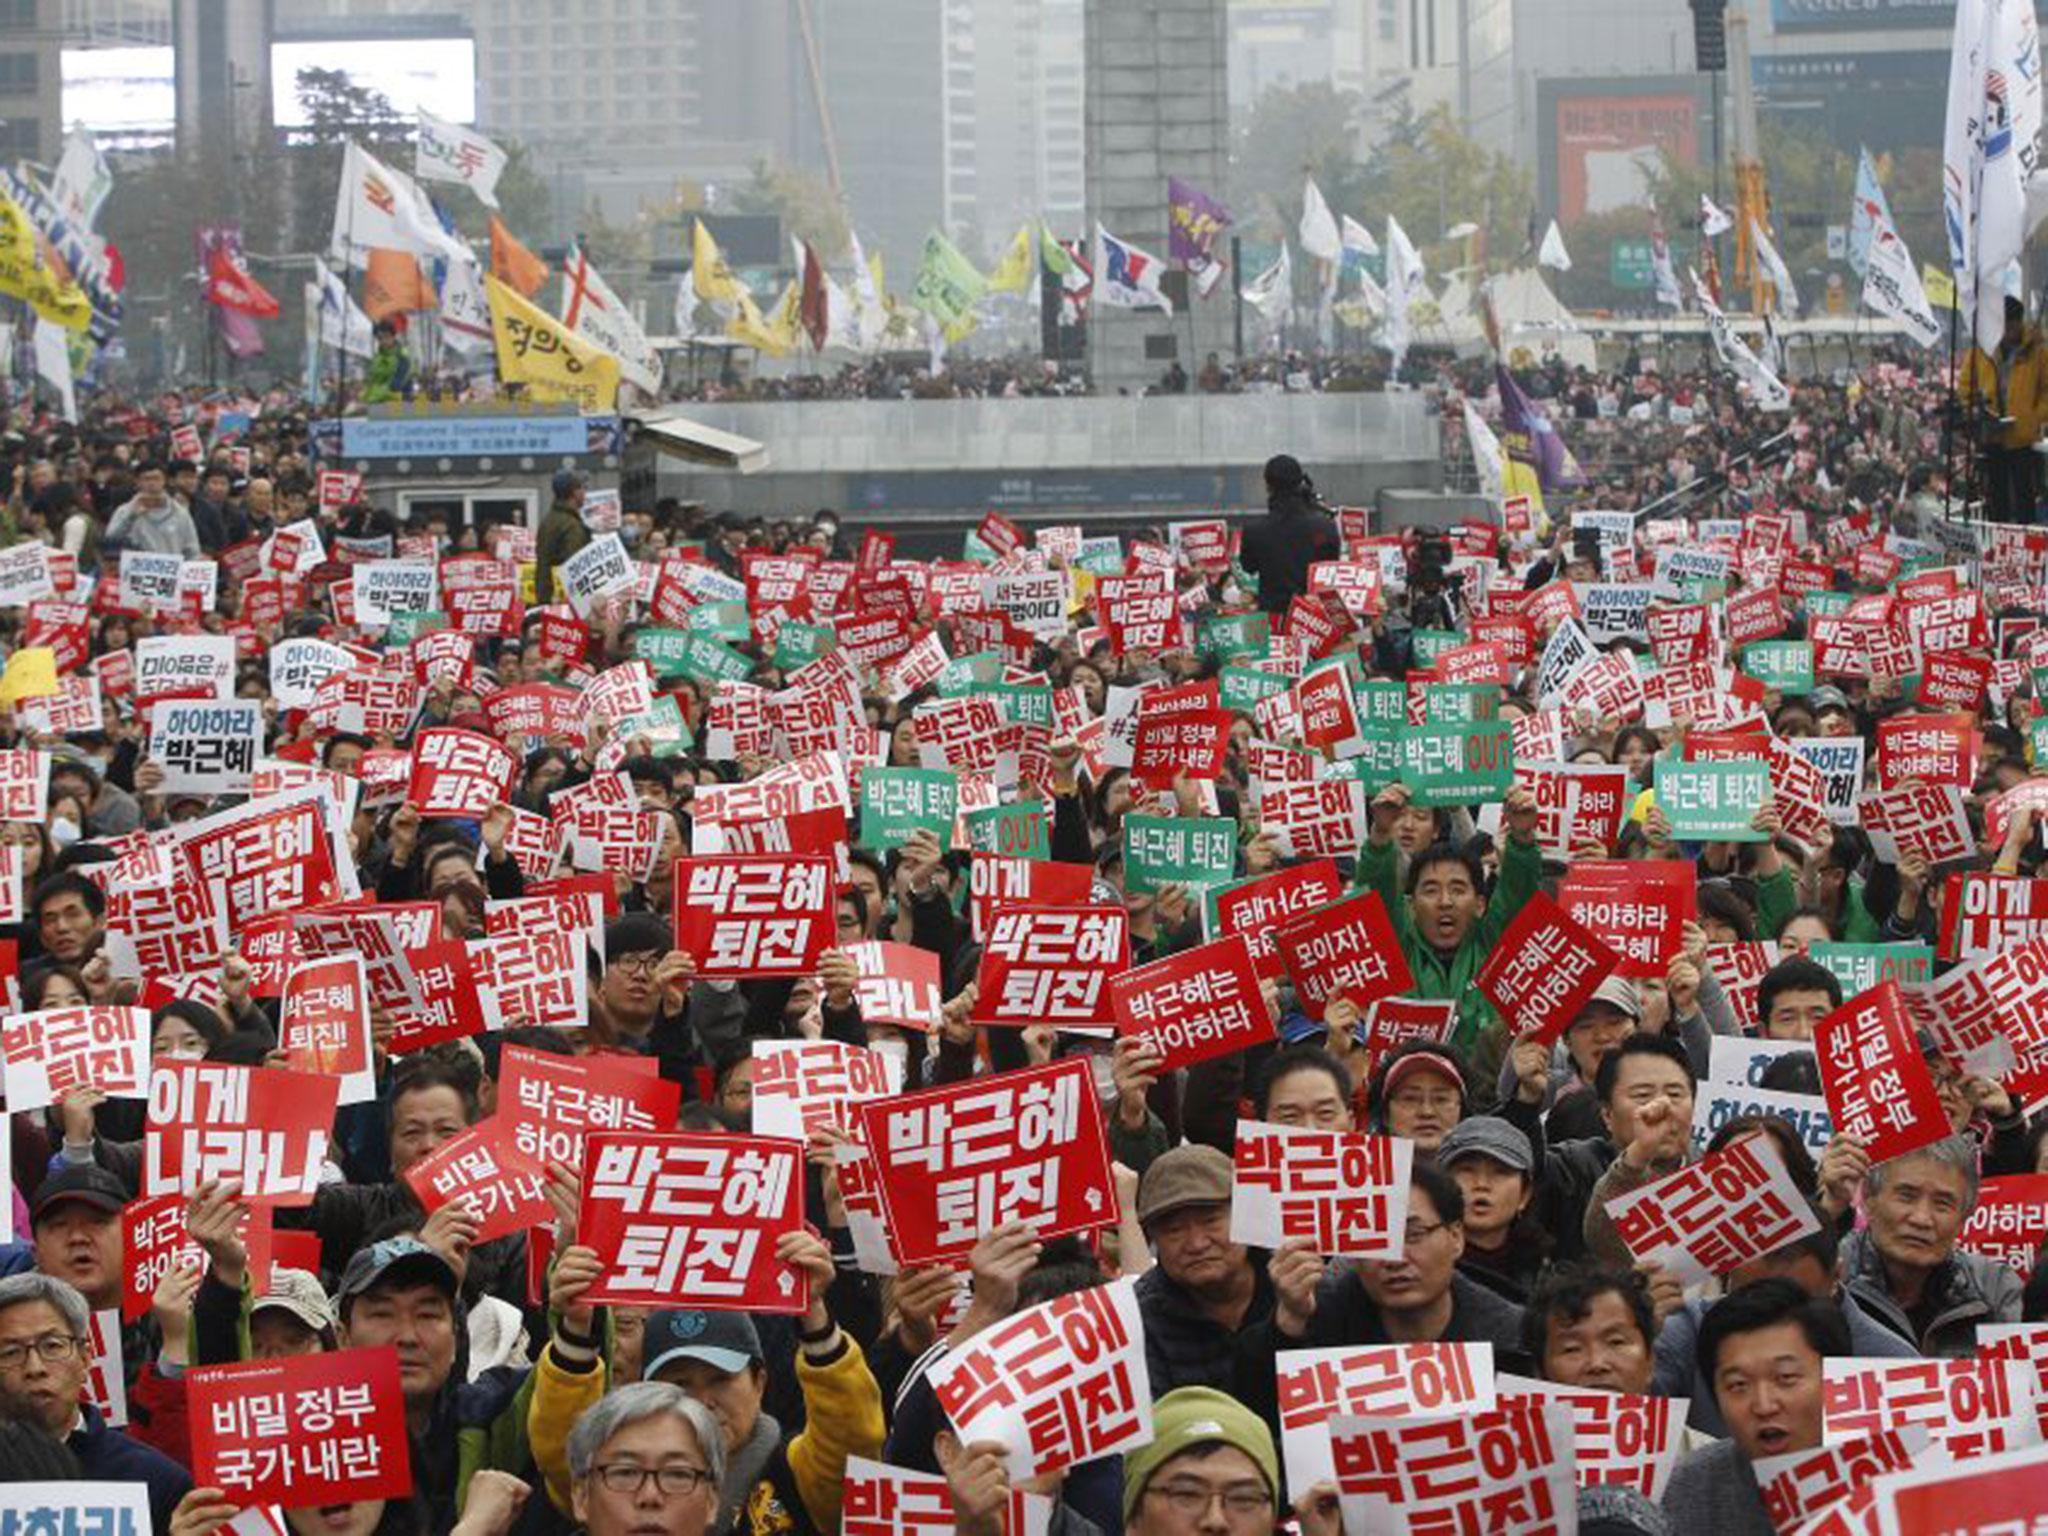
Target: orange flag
[512,263]
[393,284]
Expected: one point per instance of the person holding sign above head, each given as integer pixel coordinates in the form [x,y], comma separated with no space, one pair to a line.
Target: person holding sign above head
[1763,1349]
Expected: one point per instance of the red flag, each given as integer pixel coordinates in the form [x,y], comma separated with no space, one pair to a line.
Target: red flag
[811,303]
[229,285]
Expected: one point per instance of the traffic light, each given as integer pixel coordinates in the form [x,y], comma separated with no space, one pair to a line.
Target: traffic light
[1709,34]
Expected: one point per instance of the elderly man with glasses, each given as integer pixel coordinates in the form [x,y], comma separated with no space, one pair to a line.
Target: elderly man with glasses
[646,1458]
[45,1359]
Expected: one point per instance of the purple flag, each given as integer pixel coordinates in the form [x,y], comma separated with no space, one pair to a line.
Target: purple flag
[239,333]
[1195,221]
[1530,438]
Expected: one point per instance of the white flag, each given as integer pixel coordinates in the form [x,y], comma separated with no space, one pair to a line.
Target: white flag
[1891,286]
[1357,238]
[1713,221]
[1989,149]
[1660,266]
[82,181]
[343,325]
[1553,254]
[466,310]
[600,316]
[1319,235]
[842,319]
[53,362]
[377,206]
[1404,281]
[1271,293]
[1774,269]
[450,152]
[1126,277]
[1765,387]
[874,314]
[1486,454]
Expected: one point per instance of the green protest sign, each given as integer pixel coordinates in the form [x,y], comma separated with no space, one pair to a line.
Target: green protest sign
[661,649]
[1011,831]
[1380,702]
[964,674]
[1460,703]
[1232,635]
[1380,751]
[1192,851]
[1786,665]
[707,659]
[1712,802]
[797,644]
[1457,764]
[407,627]
[1241,688]
[1859,967]
[1432,643]
[973,548]
[667,732]
[727,621]
[1825,604]
[1102,556]
[895,802]
[1021,701]
[2037,740]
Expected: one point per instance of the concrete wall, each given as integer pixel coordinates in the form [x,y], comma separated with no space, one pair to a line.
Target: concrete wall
[1101,460]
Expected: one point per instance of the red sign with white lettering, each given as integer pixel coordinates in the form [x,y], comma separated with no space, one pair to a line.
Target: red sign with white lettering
[1543,968]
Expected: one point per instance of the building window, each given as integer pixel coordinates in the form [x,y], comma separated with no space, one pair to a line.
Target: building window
[20,137]
[17,14]
[17,73]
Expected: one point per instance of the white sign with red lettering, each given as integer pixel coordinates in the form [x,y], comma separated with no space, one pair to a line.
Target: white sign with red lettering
[1344,1191]
[24,785]
[57,1051]
[1731,1206]
[1509,1469]
[460,773]
[1802,1484]
[1382,1381]
[802,1085]
[1058,1384]
[1625,1438]
[1971,1407]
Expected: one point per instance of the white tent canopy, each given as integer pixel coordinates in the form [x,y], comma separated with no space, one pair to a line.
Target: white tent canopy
[1532,319]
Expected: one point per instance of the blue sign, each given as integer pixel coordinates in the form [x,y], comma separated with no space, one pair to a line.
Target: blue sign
[430,437]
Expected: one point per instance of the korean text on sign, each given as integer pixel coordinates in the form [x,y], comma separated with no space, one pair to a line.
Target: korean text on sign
[1711,1216]
[743,917]
[302,1430]
[1347,1193]
[1386,1381]
[1508,1469]
[1052,965]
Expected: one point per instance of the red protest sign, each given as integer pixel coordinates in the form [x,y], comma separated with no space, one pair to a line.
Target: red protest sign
[1194,743]
[450,1006]
[325,1025]
[1458,1474]
[1638,909]
[1346,1192]
[692,1220]
[155,1241]
[460,773]
[532,977]
[484,1169]
[1052,965]
[1000,534]
[741,917]
[1576,804]
[1543,968]
[995,882]
[1198,1004]
[51,1053]
[262,859]
[266,1126]
[1141,613]
[551,1102]
[1714,1215]
[1986,1495]
[1927,819]
[1347,949]
[1325,817]
[1930,748]
[302,1430]
[1951,680]
[1986,914]
[1257,908]
[1628,1438]
[804,1085]
[24,785]
[1878,1087]
[955,1162]
[899,985]
[1055,1385]
[2009,1222]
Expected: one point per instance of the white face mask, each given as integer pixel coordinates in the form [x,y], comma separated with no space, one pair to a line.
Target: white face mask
[64,832]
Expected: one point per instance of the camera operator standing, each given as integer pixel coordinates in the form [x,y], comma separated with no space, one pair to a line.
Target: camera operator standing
[1296,532]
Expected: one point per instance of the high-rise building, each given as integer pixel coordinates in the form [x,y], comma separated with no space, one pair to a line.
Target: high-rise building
[1276,44]
[30,83]
[1460,54]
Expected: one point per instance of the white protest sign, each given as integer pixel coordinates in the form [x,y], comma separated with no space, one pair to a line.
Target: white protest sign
[25,575]
[299,666]
[385,588]
[148,582]
[207,746]
[599,570]
[1732,1206]
[1391,1381]
[185,664]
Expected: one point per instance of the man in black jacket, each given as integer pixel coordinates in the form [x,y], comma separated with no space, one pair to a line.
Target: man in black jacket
[1204,1287]
[1295,533]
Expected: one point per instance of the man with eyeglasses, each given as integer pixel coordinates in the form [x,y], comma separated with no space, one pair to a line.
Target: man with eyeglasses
[646,1459]
[1209,1468]
[45,1358]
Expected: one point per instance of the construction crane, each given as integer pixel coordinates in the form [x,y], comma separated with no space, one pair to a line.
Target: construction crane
[1752,202]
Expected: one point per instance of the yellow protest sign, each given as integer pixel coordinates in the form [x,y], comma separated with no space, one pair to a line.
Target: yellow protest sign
[537,352]
[31,674]
[1941,288]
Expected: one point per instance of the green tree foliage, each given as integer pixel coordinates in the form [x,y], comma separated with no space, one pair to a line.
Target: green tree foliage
[804,202]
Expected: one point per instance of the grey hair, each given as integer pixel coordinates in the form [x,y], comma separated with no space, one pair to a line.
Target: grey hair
[631,1404]
[17,1290]
[1957,1152]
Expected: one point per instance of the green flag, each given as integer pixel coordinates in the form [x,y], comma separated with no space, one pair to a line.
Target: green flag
[1052,253]
[947,285]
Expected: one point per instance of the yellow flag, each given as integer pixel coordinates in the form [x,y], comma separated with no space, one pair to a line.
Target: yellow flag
[31,674]
[23,274]
[751,328]
[537,351]
[1013,272]
[710,276]
[1941,288]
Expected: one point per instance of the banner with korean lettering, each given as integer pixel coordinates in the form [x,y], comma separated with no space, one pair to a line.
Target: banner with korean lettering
[1055,1385]
[1879,1088]
[1257,907]
[553,1102]
[1346,1192]
[1052,965]
[1969,1407]
[207,746]
[53,1053]
[1189,851]
[1510,1468]
[1802,1485]
[460,773]
[897,802]
[155,1241]
[2009,1221]
[1638,908]
[804,1085]
[1316,1387]
[1714,1215]
[1543,968]
[1576,804]
[302,1431]
[741,917]
[1984,914]
[693,1220]
[1934,749]
[482,1168]
[75,1508]
[264,1126]
[881,1500]
[899,984]
[958,1161]
[2001,1494]
[325,1025]
[1347,949]
[1192,1006]
[1712,802]
[1627,1439]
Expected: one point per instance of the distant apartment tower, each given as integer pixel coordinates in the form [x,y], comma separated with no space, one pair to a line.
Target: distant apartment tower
[31,89]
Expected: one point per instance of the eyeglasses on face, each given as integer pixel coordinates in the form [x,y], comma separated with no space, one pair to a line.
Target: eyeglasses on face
[51,1348]
[675,1481]
[1242,1501]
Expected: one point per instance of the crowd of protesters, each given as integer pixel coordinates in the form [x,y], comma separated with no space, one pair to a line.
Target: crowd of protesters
[536,1411]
